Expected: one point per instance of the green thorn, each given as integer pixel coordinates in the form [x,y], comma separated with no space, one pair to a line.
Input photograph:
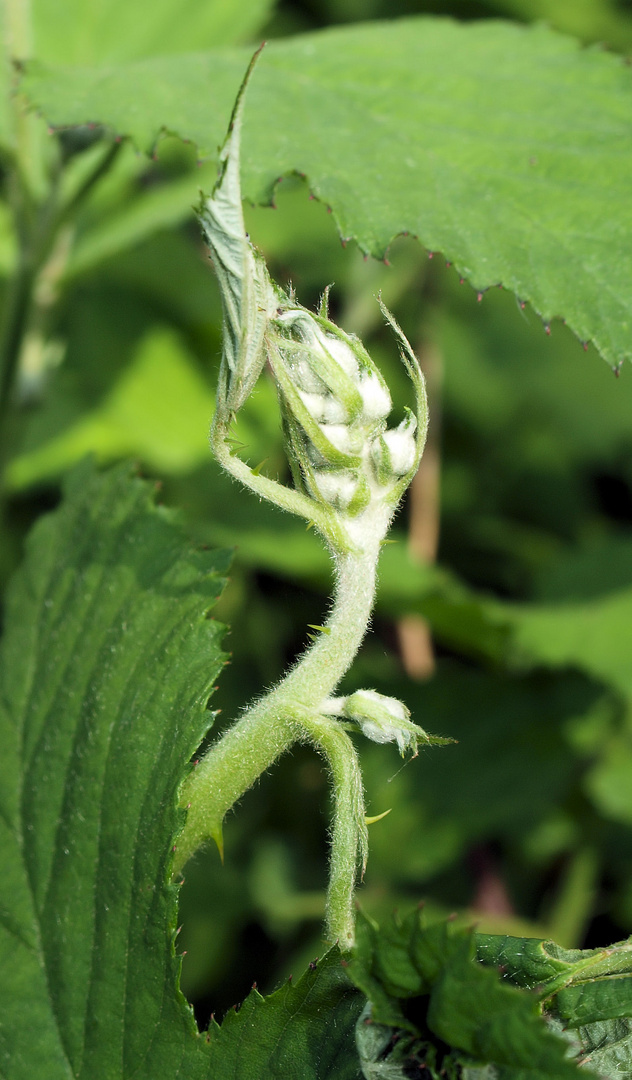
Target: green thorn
[323,629]
[257,470]
[378,817]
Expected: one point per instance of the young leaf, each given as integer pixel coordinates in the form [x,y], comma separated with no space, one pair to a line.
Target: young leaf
[506,148]
[587,994]
[425,980]
[106,667]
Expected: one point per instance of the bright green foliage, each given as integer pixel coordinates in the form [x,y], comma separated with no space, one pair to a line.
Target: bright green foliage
[425,980]
[108,660]
[508,149]
[121,30]
[512,158]
[159,411]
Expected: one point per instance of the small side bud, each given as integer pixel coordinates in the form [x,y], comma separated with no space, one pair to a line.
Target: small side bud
[383,719]
[394,453]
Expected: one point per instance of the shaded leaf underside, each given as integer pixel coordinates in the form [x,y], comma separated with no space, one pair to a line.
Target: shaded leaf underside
[505,148]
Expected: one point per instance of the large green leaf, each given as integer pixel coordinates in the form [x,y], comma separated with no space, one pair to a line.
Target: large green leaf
[506,148]
[108,661]
[118,30]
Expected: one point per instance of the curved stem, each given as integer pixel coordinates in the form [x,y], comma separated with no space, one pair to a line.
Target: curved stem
[273,724]
[231,766]
[349,837]
[320,669]
[295,502]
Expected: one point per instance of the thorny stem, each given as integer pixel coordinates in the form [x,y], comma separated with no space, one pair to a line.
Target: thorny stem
[290,713]
[349,474]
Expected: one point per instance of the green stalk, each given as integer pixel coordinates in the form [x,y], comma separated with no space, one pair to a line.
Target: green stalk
[288,714]
[349,837]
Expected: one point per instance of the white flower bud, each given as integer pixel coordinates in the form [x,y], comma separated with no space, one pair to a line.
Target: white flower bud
[332,399]
[325,408]
[341,352]
[336,486]
[376,399]
[305,377]
[394,452]
[342,437]
[383,719]
[402,449]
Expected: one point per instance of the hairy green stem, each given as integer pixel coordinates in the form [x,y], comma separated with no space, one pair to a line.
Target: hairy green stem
[295,502]
[349,839]
[287,715]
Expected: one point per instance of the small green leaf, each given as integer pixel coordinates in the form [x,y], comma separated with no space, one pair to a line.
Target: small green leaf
[425,980]
[607,1048]
[600,999]
[588,992]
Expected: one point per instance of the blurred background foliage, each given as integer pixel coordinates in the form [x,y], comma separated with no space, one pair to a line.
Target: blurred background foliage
[505,605]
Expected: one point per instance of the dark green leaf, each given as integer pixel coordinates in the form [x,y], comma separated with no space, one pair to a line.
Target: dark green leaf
[301,1032]
[107,664]
[589,991]
[458,1008]
[607,1048]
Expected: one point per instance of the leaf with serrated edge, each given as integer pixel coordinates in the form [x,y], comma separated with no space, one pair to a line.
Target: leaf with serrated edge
[303,1031]
[465,1005]
[506,148]
[107,664]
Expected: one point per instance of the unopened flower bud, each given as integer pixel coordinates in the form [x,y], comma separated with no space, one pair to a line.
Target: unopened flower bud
[383,719]
[376,398]
[394,452]
[325,408]
[333,399]
[341,488]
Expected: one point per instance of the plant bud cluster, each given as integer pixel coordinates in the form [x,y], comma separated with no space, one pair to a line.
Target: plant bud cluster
[334,403]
